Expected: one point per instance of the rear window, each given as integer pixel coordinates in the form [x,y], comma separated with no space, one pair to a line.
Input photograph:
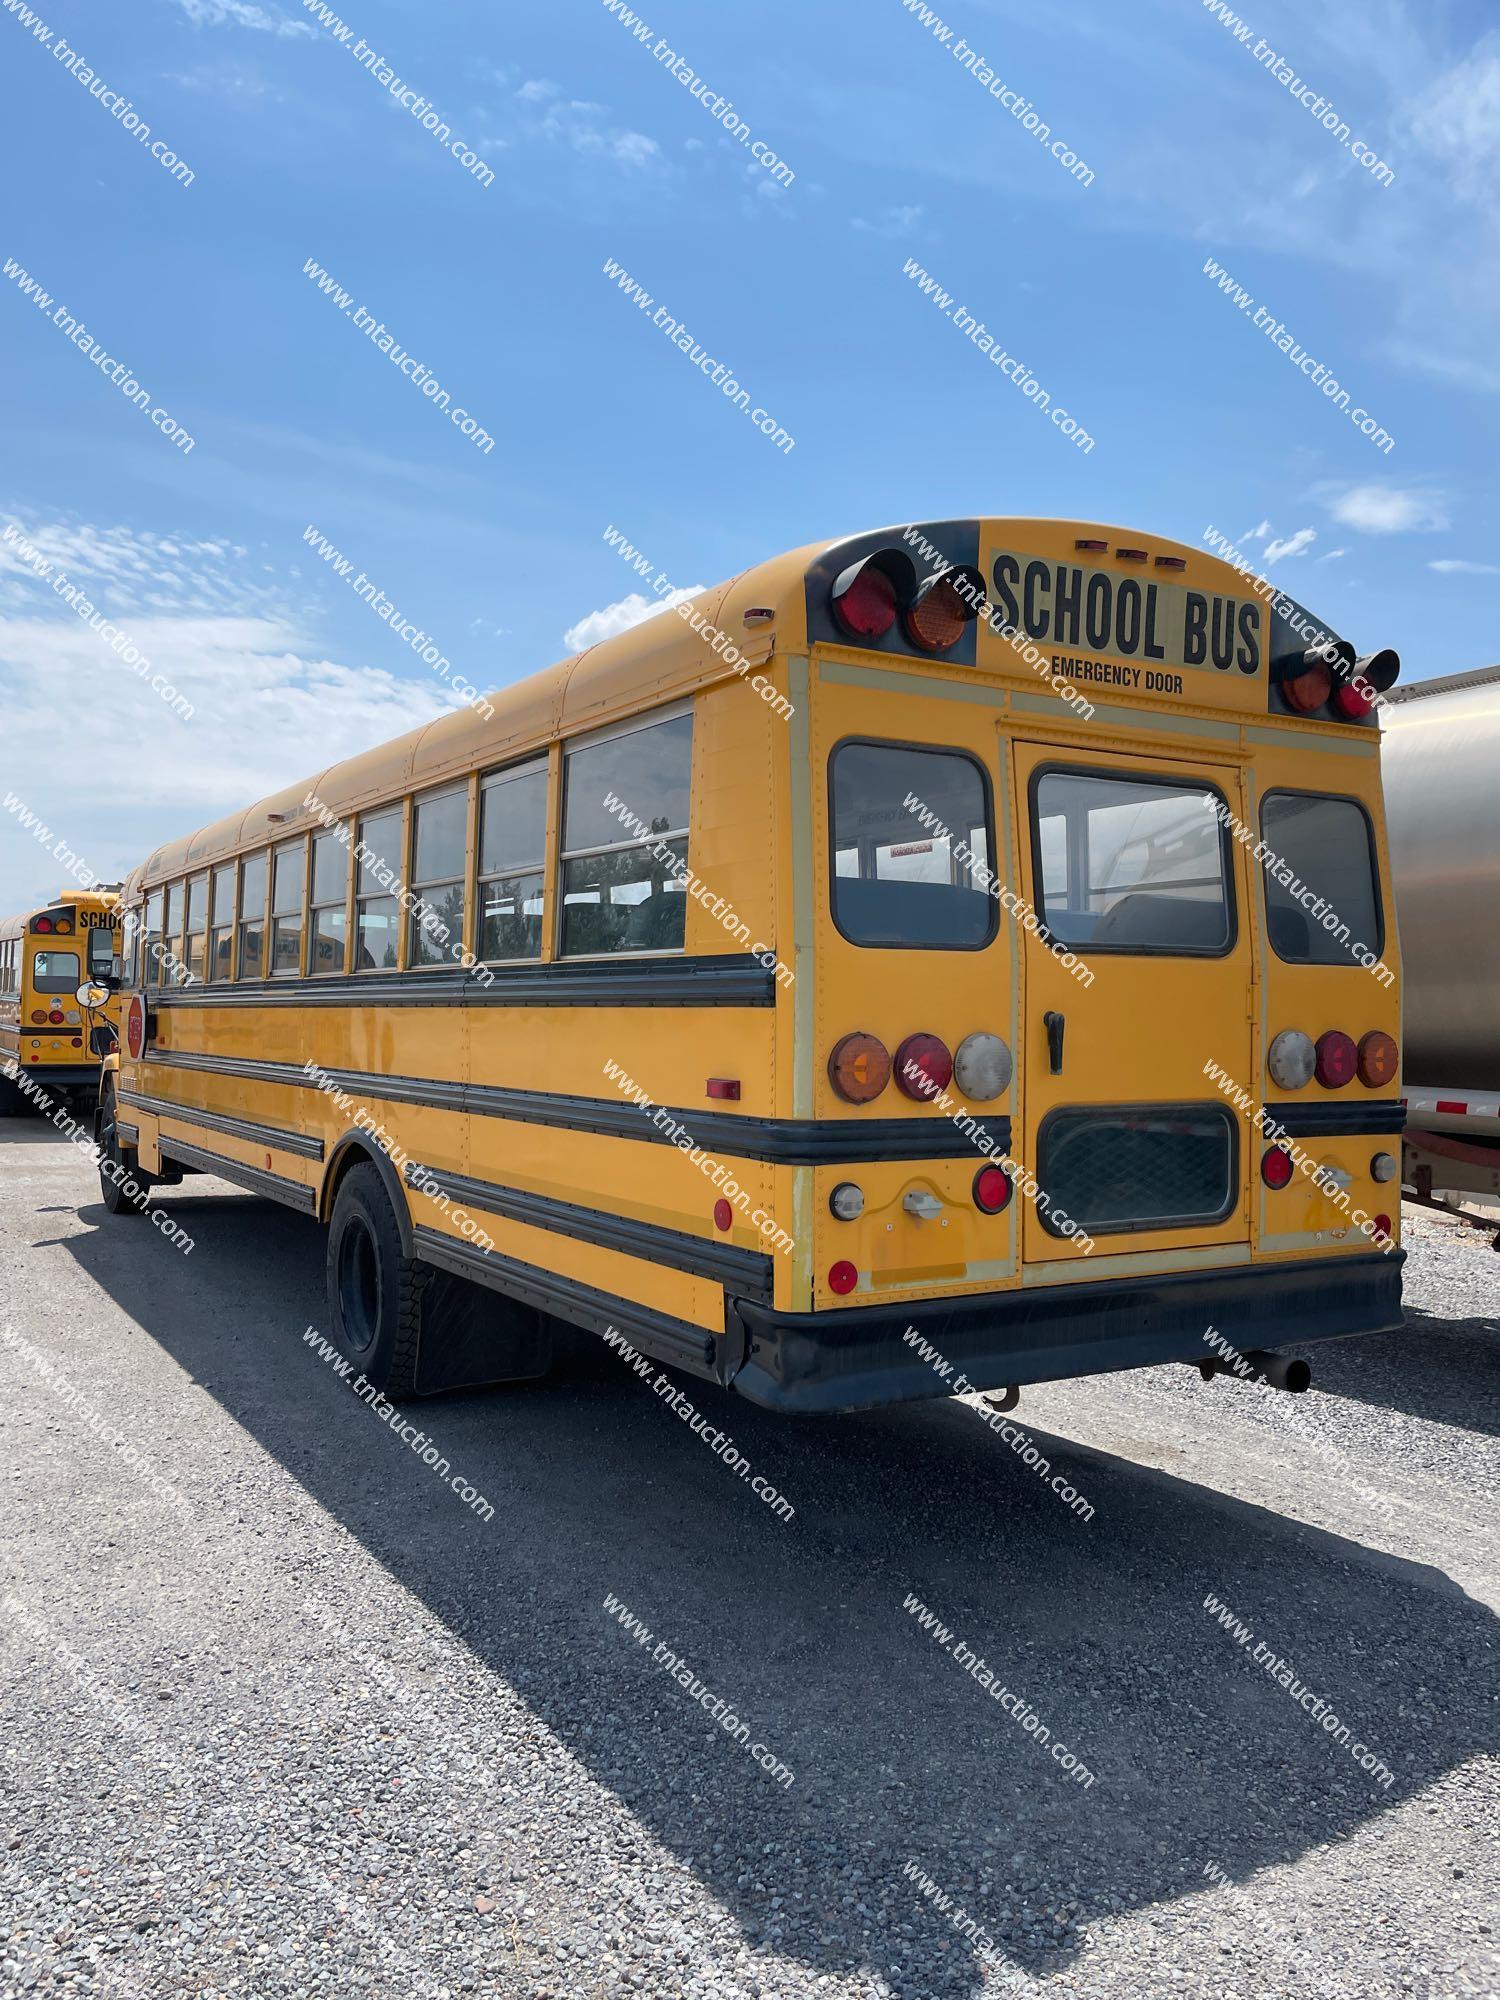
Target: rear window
[911,847]
[55,972]
[1322,888]
[1131,864]
[1114,1168]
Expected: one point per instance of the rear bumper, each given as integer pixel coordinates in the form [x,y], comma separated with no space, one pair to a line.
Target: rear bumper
[813,1362]
[66,1076]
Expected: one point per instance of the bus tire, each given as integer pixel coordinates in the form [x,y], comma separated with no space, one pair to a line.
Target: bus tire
[123,1188]
[375,1292]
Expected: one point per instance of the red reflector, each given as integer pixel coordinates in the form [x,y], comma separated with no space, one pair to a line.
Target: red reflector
[991,1189]
[1448,1104]
[1382,1224]
[842,1277]
[866,605]
[723,1086]
[78,1041]
[1276,1167]
[923,1066]
[723,1213]
[1336,1059]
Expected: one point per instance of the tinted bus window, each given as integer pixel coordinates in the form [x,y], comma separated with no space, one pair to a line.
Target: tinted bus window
[1333,897]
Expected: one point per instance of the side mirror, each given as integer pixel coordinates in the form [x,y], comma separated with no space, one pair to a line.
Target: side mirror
[91,994]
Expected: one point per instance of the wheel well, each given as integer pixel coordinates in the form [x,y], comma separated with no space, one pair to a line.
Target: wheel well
[355,1150]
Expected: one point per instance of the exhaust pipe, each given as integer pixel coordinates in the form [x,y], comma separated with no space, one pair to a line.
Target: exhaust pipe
[1277,1371]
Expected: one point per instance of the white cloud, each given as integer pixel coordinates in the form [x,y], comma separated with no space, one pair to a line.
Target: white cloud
[536,90]
[1454,566]
[631,610]
[1389,510]
[893,221]
[1256,534]
[1294,545]
[241,14]
[1333,555]
[576,125]
[1458,119]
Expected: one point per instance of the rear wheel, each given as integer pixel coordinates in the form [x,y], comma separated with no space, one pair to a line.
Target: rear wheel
[122,1186]
[375,1292]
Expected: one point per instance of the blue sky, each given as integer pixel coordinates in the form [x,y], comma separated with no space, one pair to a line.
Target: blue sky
[298,152]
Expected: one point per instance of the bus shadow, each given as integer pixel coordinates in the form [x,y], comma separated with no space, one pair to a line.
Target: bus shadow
[901,1758]
[1441,1370]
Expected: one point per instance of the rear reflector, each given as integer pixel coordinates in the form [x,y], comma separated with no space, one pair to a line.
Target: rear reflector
[723,1086]
[1276,1167]
[992,1190]
[842,1277]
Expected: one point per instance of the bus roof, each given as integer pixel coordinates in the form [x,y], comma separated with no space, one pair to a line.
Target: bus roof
[659,660]
[15,926]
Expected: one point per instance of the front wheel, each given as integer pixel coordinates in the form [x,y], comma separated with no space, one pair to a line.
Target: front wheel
[122,1186]
[374,1291]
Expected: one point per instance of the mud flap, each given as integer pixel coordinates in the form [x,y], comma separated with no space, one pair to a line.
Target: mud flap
[472,1338]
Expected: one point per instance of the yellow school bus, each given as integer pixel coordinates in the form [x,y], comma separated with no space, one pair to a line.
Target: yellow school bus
[45,1036]
[957,952]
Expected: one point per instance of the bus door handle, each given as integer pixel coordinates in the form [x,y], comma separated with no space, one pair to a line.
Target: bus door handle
[1054,1024]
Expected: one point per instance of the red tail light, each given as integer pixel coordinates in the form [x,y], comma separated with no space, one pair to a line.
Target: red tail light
[1337,1059]
[992,1189]
[1378,1058]
[43,924]
[923,1067]
[1276,1167]
[859,1068]
[55,1019]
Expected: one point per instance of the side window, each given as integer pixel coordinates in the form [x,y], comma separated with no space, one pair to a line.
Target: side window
[440,831]
[625,826]
[197,926]
[253,918]
[911,844]
[1322,888]
[1131,864]
[288,869]
[171,971]
[512,848]
[221,923]
[379,856]
[328,931]
[154,938]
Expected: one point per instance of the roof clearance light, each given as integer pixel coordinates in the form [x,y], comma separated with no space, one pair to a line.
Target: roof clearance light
[1096,548]
[1171,562]
[866,596]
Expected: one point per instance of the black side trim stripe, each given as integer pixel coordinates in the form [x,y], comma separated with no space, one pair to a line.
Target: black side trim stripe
[274,1136]
[255,1179]
[128,1135]
[749,1272]
[731,979]
[790,1142]
[677,1342]
[1346,1120]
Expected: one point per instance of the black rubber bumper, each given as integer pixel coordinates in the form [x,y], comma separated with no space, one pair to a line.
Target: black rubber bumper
[855,1360]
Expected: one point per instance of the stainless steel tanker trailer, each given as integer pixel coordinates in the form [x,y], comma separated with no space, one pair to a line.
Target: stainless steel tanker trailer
[1440,759]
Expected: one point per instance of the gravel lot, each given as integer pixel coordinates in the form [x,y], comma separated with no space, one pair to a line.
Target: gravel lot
[306,1722]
